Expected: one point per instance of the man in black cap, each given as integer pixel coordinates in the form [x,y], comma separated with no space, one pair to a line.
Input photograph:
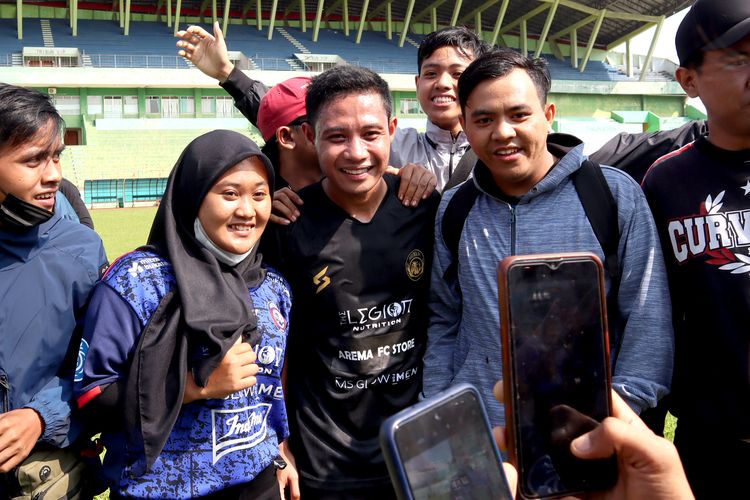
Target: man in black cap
[700,197]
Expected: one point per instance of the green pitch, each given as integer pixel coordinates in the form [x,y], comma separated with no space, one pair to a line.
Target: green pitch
[123,229]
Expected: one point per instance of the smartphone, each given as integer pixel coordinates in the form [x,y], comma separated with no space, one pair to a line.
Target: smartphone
[556,373]
[443,448]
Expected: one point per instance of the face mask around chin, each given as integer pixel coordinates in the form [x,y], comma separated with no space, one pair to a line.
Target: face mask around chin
[19,215]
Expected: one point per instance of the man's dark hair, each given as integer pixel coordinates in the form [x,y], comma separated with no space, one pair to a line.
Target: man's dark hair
[499,63]
[341,81]
[23,112]
[463,39]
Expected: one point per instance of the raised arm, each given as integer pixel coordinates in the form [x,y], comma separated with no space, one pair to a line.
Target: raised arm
[209,54]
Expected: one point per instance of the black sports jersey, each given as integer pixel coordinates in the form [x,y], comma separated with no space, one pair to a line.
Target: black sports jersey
[358,330]
[700,198]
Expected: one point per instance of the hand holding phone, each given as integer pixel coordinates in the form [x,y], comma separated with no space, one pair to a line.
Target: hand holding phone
[555,369]
[443,448]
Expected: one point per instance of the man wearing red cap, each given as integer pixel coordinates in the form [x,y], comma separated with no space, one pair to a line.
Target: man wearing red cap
[700,198]
[280,118]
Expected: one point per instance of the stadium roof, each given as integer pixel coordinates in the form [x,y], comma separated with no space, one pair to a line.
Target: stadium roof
[611,21]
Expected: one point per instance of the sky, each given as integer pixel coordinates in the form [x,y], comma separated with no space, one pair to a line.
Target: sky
[665,45]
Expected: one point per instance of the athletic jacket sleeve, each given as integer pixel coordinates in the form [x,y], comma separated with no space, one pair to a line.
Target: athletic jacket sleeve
[110,333]
[445,315]
[52,403]
[643,368]
[246,93]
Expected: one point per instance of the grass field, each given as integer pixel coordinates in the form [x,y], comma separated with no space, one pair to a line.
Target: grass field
[123,229]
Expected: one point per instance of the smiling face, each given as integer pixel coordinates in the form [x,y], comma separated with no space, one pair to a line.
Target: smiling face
[353,140]
[437,87]
[507,126]
[31,171]
[236,209]
[723,84]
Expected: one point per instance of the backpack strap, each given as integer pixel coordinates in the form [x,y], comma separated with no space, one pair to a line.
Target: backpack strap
[601,210]
[452,224]
[463,169]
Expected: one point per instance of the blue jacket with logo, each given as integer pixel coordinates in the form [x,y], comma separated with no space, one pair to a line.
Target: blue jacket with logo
[215,443]
[46,278]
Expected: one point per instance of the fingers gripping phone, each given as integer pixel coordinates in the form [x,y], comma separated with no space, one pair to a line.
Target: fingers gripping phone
[443,448]
[555,369]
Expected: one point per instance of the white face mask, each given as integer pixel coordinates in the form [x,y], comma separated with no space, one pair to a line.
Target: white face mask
[228,258]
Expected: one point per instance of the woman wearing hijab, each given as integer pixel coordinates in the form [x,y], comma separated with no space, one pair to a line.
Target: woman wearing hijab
[167,368]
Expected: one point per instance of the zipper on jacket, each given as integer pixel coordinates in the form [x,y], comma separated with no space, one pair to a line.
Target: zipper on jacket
[5,388]
[512,209]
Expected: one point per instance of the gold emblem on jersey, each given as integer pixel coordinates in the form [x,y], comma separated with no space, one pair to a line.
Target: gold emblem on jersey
[415,264]
[321,280]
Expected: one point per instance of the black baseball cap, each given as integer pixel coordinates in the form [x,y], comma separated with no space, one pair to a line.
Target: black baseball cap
[712,24]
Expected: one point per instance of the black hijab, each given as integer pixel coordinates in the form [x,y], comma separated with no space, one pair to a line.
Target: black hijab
[209,308]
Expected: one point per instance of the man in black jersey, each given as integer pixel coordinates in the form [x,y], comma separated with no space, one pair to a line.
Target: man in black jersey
[358,262]
[700,198]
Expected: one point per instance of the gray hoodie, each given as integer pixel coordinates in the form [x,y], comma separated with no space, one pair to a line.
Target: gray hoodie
[464,332]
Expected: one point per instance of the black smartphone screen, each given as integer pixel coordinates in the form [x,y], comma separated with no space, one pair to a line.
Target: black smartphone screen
[448,453]
[560,374]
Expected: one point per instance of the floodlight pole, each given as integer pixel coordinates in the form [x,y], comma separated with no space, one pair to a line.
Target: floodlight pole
[388,21]
[545,30]
[272,20]
[318,17]
[19,15]
[127,18]
[177,16]
[362,17]
[651,49]
[499,23]
[592,40]
[345,8]
[456,10]
[407,19]
[225,24]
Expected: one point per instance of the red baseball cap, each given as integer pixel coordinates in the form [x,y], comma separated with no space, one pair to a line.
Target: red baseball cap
[283,104]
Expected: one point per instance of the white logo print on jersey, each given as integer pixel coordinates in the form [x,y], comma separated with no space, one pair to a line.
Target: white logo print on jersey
[713,233]
[238,429]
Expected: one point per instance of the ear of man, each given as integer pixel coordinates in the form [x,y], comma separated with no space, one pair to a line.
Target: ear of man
[686,78]
[284,137]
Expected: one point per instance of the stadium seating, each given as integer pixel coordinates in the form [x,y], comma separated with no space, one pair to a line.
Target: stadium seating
[151,44]
[11,47]
[375,51]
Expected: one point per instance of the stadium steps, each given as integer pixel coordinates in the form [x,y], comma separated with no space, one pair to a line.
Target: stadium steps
[297,44]
[412,42]
[294,63]
[74,165]
[49,40]
[16,59]
[86,61]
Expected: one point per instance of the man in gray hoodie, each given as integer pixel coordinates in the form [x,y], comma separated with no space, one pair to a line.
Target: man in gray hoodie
[527,203]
